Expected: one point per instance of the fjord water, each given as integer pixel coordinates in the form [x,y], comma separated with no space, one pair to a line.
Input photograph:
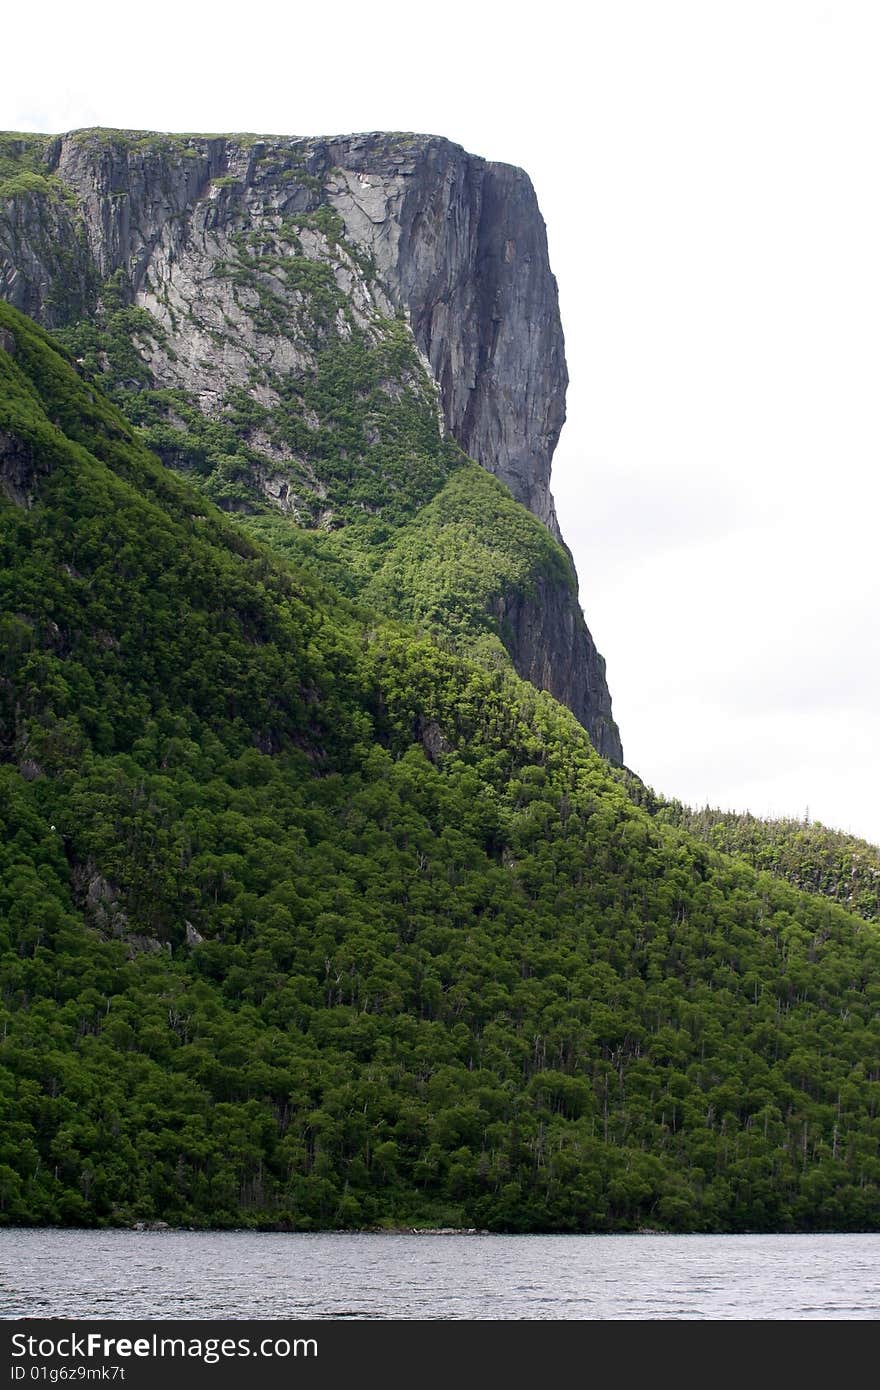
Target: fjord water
[236,1274]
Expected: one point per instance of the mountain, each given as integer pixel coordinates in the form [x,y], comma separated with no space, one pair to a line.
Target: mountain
[314,915]
[309,328]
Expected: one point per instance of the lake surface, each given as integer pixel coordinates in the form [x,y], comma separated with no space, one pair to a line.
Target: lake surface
[185,1274]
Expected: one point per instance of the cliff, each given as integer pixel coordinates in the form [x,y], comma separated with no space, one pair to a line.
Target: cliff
[290,318]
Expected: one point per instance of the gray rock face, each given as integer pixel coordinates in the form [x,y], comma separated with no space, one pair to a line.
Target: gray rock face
[453,243]
[46,268]
[460,243]
[551,646]
[20,471]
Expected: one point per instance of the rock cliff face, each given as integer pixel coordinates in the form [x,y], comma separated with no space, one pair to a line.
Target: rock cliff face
[545,638]
[461,244]
[241,257]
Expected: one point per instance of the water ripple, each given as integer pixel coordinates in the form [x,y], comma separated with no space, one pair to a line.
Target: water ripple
[245,1275]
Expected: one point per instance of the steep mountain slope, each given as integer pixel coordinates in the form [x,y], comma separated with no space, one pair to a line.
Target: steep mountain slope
[306,325]
[308,920]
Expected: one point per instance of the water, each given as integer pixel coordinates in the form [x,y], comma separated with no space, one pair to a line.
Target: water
[241,1275]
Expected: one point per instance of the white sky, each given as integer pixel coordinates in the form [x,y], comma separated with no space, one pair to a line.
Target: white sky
[708,172]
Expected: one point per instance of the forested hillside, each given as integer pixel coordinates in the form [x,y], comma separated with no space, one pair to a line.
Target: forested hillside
[313,919]
[803,852]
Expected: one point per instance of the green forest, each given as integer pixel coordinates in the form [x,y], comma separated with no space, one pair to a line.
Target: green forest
[313,915]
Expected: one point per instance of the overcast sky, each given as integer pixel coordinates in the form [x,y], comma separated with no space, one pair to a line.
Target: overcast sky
[708,173]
